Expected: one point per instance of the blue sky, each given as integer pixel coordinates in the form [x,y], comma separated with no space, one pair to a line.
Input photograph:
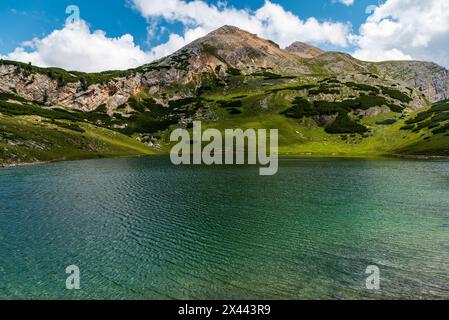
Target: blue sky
[27,19]
[134,32]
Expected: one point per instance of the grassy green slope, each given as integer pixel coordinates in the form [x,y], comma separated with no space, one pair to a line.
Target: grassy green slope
[302,136]
[305,138]
[29,132]
[27,139]
[265,101]
[433,127]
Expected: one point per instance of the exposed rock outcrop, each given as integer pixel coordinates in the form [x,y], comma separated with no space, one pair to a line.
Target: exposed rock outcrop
[430,78]
[41,88]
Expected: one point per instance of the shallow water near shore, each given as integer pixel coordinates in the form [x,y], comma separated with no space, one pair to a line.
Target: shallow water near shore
[141,228]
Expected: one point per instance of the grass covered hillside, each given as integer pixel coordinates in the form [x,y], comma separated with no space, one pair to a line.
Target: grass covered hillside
[359,120]
[31,133]
[329,117]
[432,126]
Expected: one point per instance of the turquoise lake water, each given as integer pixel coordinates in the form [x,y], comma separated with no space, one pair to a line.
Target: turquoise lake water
[141,228]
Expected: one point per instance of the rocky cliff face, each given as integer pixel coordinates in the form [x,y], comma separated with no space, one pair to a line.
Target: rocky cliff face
[430,78]
[225,51]
[41,88]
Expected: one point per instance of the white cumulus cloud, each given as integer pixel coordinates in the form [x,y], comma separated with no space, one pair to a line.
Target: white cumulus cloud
[404,30]
[270,21]
[76,47]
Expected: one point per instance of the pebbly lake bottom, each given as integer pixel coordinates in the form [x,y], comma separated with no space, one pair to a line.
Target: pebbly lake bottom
[141,228]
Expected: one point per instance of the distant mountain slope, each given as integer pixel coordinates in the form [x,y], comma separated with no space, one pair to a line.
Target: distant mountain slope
[325,103]
[242,50]
[304,50]
[428,77]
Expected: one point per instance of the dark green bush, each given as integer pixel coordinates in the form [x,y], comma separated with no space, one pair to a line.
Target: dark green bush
[137,105]
[71,126]
[234,72]
[324,89]
[146,122]
[443,129]
[271,76]
[332,80]
[327,107]
[396,94]
[234,111]
[432,118]
[343,124]
[8,96]
[362,87]
[387,122]
[440,106]
[182,102]
[34,110]
[230,104]
[301,108]
[84,84]
[420,117]
[395,108]
[408,127]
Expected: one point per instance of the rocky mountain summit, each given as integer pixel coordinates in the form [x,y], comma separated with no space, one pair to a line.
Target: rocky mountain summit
[304,50]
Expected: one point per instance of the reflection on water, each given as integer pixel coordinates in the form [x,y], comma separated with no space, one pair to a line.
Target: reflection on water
[144,229]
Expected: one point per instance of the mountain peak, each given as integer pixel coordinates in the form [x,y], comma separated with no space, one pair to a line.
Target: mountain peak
[304,50]
[233,31]
[239,49]
[226,29]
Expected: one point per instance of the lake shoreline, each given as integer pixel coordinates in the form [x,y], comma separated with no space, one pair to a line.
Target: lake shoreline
[36,163]
[292,155]
[420,157]
[22,164]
